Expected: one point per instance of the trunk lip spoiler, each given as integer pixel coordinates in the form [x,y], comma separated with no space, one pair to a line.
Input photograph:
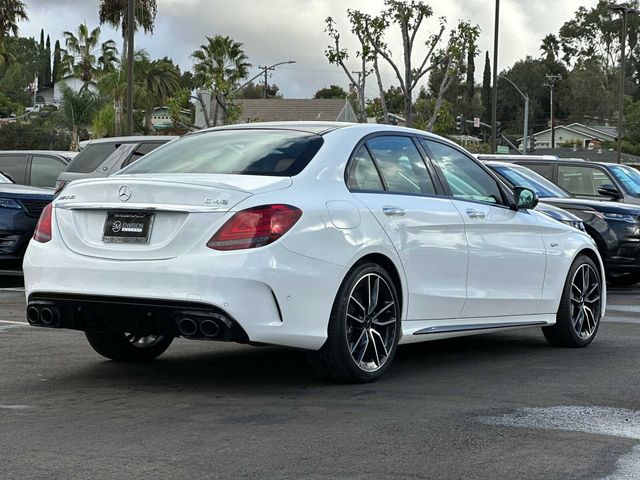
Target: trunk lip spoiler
[144,207]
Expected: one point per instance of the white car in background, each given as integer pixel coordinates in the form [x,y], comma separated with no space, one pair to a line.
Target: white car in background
[345,240]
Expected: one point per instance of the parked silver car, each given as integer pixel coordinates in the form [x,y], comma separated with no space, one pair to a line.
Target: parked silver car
[105,156]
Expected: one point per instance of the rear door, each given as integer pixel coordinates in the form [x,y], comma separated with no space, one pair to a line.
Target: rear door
[388,175]
[44,170]
[14,165]
[507,256]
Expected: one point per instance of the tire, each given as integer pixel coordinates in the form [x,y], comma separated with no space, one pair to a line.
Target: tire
[125,347]
[578,317]
[624,280]
[362,335]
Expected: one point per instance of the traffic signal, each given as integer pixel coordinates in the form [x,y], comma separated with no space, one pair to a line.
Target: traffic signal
[460,124]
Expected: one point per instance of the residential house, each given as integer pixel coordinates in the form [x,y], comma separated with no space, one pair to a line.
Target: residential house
[582,136]
[279,109]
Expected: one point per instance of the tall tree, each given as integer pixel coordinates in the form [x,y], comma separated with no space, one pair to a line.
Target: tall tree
[157,81]
[57,62]
[220,64]
[85,57]
[332,91]
[471,72]
[409,16]
[41,52]
[486,89]
[47,66]
[11,12]
[114,13]
[550,47]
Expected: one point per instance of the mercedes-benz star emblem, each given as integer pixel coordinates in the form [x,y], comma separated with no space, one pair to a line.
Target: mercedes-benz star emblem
[124,193]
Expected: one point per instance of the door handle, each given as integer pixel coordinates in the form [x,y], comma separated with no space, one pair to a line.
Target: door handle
[393,211]
[476,214]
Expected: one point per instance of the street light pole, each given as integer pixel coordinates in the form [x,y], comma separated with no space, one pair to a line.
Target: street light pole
[131,27]
[494,97]
[525,138]
[551,83]
[625,10]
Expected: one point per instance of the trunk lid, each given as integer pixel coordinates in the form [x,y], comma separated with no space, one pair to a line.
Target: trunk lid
[186,210]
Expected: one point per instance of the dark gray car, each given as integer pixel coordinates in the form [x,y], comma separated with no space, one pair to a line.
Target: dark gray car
[106,156]
[37,168]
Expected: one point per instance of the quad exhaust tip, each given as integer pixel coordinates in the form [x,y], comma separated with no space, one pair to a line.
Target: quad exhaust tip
[187,327]
[33,315]
[209,329]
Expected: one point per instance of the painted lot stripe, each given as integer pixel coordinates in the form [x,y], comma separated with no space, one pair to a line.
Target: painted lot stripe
[624,308]
[16,289]
[616,422]
[11,322]
[613,319]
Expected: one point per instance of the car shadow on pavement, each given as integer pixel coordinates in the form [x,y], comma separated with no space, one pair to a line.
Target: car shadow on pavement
[232,366]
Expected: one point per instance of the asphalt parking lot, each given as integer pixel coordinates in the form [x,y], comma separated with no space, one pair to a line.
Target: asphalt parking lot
[487,407]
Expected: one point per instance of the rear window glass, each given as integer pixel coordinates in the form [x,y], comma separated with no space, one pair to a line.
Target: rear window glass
[91,157]
[280,153]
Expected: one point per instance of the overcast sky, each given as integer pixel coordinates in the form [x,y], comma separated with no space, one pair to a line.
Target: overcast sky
[278,30]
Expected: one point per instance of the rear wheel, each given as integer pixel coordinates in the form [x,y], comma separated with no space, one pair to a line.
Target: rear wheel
[579,314]
[364,327]
[128,347]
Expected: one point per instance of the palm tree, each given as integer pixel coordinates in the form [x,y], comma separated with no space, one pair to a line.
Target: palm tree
[114,13]
[85,57]
[11,12]
[77,111]
[550,47]
[220,64]
[156,81]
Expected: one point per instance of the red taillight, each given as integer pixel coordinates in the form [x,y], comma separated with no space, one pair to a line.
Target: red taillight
[43,229]
[255,227]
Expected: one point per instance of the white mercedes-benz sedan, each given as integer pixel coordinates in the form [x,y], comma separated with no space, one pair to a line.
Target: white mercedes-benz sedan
[341,239]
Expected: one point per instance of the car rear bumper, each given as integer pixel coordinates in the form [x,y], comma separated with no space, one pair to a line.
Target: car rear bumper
[273,295]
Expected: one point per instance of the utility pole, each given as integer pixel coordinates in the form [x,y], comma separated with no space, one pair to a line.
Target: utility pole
[625,10]
[131,28]
[265,72]
[494,99]
[551,84]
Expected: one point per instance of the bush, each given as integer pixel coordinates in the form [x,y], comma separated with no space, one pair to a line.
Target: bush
[39,135]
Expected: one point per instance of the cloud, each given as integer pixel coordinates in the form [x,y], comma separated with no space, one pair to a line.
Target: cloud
[280,30]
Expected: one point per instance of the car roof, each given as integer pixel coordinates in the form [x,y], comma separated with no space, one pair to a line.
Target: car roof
[497,156]
[322,128]
[132,139]
[65,155]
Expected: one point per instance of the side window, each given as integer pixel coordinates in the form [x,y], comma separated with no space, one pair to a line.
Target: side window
[544,169]
[467,180]
[45,171]
[582,180]
[401,165]
[363,175]
[140,152]
[14,166]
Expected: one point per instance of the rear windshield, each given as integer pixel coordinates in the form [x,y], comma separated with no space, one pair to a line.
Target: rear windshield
[4,179]
[280,153]
[91,157]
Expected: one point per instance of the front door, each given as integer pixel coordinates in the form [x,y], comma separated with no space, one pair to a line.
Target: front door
[507,256]
[389,176]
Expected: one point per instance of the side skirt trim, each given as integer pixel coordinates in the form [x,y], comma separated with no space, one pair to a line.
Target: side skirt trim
[476,327]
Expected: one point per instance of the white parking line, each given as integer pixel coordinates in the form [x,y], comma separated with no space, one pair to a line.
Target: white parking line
[14,323]
[617,422]
[624,308]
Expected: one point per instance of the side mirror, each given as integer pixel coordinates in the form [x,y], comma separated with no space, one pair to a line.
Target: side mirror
[525,198]
[609,190]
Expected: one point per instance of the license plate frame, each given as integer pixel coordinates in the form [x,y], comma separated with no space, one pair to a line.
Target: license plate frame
[128,226]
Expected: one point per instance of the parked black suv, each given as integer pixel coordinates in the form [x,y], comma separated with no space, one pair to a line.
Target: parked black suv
[592,180]
[615,227]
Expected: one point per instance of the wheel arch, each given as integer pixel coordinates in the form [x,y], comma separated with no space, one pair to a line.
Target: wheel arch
[390,266]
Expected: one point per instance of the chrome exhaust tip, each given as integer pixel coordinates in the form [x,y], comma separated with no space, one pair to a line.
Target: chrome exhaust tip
[209,328]
[187,327]
[33,315]
[47,316]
